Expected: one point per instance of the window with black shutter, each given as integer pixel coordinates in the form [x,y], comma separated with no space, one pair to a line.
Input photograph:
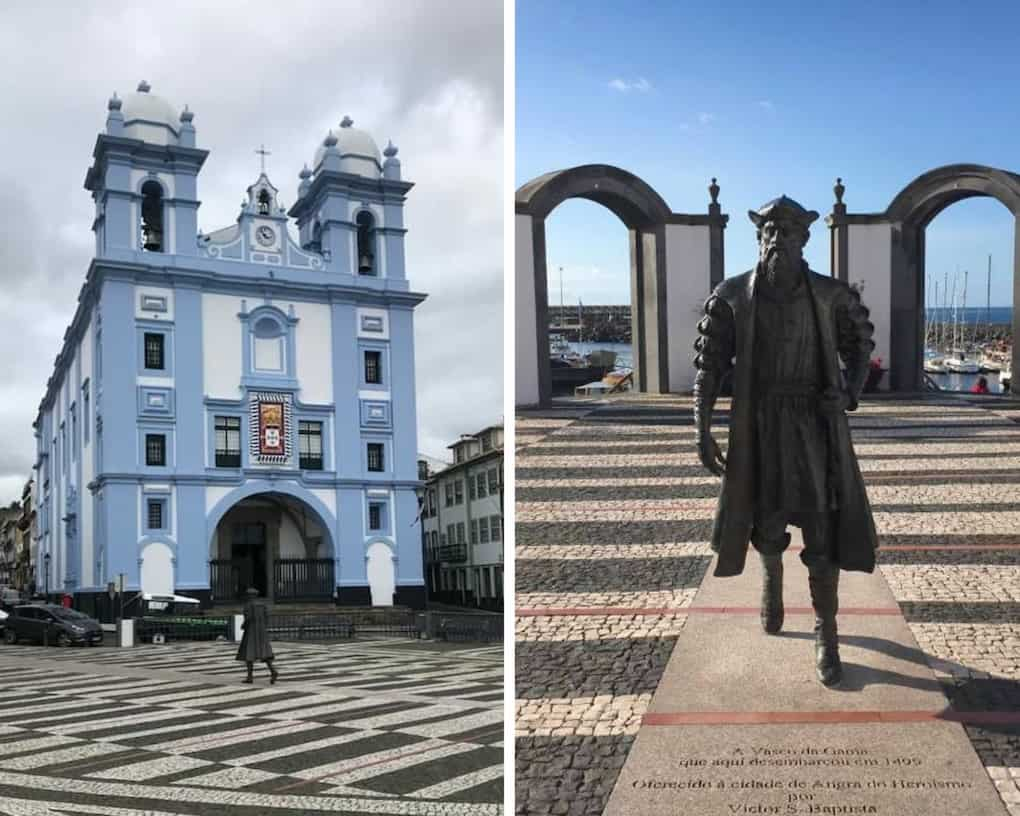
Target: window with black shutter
[155,450]
[155,515]
[228,441]
[374,516]
[375,456]
[310,445]
[373,366]
[154,357]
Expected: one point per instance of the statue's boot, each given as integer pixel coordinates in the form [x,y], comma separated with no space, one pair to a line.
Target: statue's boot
[273,673]
[251,671]
[825,600]
[772,593]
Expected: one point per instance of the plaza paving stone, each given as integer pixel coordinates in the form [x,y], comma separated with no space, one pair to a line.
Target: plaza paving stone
[383,727]
[614,510]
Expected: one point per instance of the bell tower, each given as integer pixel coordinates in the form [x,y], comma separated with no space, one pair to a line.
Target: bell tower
[350,207]
[144,178]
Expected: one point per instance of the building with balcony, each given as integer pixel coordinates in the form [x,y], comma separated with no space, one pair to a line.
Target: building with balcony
[462,523]
[25,543]
[235,408]
[8,542]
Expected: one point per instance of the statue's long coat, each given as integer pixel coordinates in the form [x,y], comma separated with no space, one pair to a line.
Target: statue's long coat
[255,644]
[839,316]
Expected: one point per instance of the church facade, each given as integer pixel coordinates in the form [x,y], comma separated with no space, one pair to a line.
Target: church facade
[235,408]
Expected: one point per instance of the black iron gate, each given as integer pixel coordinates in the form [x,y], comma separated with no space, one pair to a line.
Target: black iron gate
[303,579]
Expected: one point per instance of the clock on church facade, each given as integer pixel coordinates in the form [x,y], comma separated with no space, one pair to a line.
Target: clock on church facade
[235,409]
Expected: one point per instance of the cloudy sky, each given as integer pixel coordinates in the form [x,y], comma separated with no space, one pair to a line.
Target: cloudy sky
[428,75]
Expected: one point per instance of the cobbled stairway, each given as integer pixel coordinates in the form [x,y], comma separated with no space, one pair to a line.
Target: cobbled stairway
[613,520]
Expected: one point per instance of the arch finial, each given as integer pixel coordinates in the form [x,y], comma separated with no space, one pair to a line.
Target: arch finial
[346,122]
[839,189]
[713,190]
[143,87]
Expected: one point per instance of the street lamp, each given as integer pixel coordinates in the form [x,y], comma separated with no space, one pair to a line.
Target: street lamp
[46,577]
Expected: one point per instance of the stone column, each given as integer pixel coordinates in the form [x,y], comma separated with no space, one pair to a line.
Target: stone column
[531,319]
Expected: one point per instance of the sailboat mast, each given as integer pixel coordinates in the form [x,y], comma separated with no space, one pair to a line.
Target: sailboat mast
[963,312]
[988,301]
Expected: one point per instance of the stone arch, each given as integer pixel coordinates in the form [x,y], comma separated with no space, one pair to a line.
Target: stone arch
[909,215]
[286,577]
[647,216]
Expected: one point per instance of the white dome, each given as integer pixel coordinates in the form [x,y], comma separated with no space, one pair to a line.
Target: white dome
[144,115]
[358,151]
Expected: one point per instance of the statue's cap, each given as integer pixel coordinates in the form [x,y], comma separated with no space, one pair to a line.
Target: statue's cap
[782,209]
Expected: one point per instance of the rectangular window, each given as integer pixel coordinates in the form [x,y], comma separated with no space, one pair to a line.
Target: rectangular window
[310,445]
[449,494]
[154,357]
[155,450]
[483,530]
[373,367]
[228,441]
[375,457]
[74,432]
[450,534]
[474,531]
[486,442]
[375,516]
[471,488]
[494,528]
[460,533]
[458,455]
[488,583]
[480,478]
[493,481]
[85,427]
[458,491]
[154,516]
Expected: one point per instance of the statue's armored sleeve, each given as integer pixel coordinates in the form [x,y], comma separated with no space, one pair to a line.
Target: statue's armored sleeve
[713,358]
[854,343]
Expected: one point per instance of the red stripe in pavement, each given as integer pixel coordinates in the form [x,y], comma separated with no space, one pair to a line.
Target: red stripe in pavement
[911,547]
[771,717]
[693,610]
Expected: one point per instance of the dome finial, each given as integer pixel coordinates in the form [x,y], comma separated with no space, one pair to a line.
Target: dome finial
[391,149]
[114,103]
[839,189]
[187,114]
[346,122]
[305,173]
[144,87]
[330,140]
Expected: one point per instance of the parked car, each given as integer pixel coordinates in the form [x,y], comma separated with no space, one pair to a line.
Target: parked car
[49,623]
[3,621]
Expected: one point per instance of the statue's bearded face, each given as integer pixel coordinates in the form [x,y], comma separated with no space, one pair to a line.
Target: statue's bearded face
[781,249]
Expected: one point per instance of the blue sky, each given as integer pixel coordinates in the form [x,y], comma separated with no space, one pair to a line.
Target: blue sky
[771,99]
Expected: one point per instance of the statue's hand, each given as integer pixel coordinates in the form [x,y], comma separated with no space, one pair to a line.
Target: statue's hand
[835,401]
[711,457]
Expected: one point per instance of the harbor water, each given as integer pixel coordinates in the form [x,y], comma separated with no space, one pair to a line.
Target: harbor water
[947,382]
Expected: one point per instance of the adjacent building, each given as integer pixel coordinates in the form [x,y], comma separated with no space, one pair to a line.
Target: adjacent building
[8,542]
[462,523]
[235,408]
[26,543]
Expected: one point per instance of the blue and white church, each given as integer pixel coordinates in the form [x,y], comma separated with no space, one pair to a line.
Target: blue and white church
[235,408]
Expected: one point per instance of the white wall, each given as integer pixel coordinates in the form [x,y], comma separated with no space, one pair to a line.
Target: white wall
[157,570]
[313,342]
[526,372]
[381,573]
[221,346]
[688,285]
[870,261]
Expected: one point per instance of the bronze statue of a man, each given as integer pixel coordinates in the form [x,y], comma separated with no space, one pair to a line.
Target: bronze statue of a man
[783,329]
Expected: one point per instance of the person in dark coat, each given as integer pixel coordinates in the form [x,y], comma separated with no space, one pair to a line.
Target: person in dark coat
[783,329]
[255,643]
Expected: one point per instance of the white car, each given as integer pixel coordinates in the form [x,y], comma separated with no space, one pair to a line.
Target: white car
[3,619]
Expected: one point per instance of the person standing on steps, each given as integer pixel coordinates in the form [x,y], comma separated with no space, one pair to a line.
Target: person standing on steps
[783,330]
[255,640]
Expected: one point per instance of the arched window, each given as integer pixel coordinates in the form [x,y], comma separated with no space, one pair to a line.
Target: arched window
[152,217]
[264,202]
[366,243]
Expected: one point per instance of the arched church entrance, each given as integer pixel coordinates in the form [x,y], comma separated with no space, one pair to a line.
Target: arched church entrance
[276,543]
[675,261]
[887,252]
